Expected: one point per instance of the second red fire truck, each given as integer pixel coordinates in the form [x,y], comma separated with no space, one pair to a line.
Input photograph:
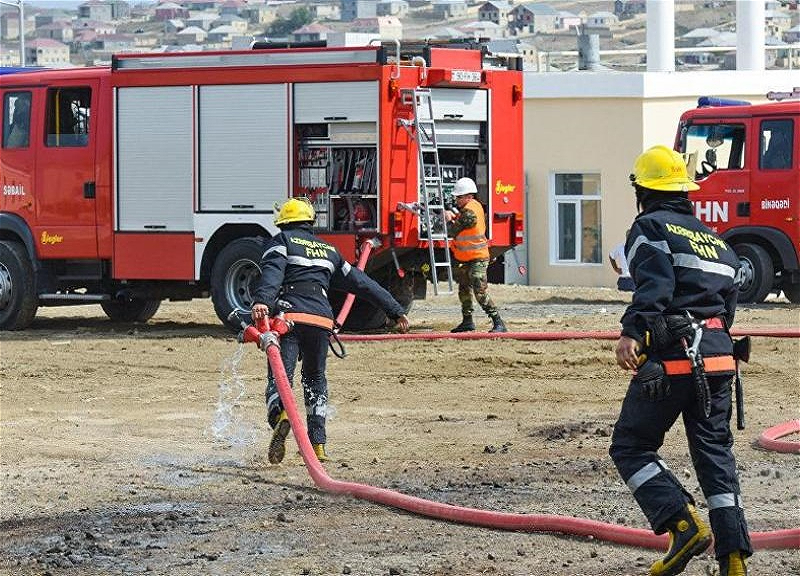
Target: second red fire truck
[157,177]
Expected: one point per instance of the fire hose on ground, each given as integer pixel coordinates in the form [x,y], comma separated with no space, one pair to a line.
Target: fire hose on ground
[269,341]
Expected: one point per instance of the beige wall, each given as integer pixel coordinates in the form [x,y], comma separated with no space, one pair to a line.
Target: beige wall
[600,122]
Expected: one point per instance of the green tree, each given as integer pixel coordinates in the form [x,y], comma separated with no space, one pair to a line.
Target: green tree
[285,26]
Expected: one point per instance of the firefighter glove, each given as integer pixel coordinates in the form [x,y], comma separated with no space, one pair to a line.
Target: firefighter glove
[654,383]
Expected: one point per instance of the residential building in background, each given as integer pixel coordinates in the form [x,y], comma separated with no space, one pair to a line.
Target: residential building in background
[353,9]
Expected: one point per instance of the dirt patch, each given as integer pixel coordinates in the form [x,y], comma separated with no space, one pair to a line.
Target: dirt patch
[116,458]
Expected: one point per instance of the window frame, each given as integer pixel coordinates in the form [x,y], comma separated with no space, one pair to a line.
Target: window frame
[761,149]
[6,117]
[72,140]
[555,200]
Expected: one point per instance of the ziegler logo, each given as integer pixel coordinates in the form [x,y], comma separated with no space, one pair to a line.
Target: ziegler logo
[51,238]
[13,190]
[775,204]
[500,188]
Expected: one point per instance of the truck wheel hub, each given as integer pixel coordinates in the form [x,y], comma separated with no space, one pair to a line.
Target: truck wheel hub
[747,268]
[237,283]
[5,287]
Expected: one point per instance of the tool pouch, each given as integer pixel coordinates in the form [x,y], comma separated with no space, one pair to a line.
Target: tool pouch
[652,380]
[668,331]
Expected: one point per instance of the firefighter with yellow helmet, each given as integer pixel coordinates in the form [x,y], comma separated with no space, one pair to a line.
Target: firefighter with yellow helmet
[298,268]
[675,336]
[471,254]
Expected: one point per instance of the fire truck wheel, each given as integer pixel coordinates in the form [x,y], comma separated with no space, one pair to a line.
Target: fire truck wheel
[363,316]
[18,300]
[133,310]
[235,269]
[758,273]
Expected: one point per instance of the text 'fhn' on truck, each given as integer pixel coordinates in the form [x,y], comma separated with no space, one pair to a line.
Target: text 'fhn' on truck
[157,177]
[745,158]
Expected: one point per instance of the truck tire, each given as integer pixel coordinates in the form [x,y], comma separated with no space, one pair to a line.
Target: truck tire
[232,276]
[18,300]
[759,273]
[363,316]
[133,310]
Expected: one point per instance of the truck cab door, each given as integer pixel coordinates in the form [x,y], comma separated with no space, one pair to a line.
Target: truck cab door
[65,182]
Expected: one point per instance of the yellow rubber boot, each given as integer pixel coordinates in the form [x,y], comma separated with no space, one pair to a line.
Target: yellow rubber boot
[319,450]
[277,445]
[688,537]
[733,565]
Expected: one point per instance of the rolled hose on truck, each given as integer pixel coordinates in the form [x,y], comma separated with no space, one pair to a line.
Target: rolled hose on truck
[777,539]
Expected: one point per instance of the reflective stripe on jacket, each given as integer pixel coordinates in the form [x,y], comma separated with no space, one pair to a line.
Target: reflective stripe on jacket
[471,243]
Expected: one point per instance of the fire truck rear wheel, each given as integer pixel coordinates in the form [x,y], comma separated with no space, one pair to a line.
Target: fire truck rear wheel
[18,300]
[235,270]
[759,273]
[133,310]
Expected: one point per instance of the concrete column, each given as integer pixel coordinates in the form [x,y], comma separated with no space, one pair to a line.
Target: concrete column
[661,35]
[750,35]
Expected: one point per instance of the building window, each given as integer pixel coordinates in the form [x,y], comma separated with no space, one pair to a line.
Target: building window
[775,149]
[16,120]
[576,232]
[68,113]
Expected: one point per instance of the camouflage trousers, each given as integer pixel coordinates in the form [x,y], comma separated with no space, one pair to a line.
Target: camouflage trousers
[471,277]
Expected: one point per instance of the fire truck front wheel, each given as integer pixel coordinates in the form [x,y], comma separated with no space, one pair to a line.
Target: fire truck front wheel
[759,273]
[235,269]
[18,300]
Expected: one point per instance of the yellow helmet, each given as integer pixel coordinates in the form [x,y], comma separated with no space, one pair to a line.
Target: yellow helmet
[295,210]
[661,168]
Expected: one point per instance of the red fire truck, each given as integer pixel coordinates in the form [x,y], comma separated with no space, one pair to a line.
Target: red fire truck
[746,158]
[157,177]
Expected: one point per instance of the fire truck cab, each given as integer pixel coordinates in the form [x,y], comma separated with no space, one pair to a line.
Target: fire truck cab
[746,159]
[158,177]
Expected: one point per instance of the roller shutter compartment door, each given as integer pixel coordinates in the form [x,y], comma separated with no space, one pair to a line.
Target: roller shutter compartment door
[244,147]
[155,166]
[460,104]
[323,102]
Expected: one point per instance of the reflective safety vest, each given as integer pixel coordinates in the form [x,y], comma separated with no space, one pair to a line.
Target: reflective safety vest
[471,243]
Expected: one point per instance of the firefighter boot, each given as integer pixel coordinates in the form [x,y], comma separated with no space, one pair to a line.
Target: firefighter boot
[733,565]
[688,536]
[277,446]
[319,450]
[467,325]
[497,324]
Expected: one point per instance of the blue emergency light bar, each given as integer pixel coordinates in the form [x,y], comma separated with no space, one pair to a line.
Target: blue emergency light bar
[706,101]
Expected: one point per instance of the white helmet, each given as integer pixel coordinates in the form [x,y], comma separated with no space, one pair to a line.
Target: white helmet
[464,186]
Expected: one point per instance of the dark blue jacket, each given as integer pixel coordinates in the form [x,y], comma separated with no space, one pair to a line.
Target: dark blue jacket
[299,268]
[680,265]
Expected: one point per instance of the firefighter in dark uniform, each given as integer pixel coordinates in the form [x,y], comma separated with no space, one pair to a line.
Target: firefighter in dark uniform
[675,335]
[297,269]
[471,253]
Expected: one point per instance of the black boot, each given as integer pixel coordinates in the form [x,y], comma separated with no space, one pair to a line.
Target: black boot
[467,325]
[497,324]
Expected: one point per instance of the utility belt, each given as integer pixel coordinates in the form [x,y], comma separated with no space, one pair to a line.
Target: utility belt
[310,319]
[304,288]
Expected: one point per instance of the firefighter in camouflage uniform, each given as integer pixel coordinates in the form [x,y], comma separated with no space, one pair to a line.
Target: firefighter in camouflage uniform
[675,335]
[471,253]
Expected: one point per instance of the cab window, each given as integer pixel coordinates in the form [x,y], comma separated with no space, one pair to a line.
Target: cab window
[68,113]
[16,120]
[715,147]
[775,149]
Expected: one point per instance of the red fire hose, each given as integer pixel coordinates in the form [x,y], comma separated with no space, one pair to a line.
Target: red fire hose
[779,539]
[366,248]
[769,437]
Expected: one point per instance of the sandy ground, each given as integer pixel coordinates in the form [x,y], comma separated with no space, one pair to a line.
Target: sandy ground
[125,450]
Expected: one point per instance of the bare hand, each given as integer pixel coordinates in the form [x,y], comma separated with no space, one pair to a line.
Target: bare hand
[259,312]
[449,215]
[627,353]
[402,324]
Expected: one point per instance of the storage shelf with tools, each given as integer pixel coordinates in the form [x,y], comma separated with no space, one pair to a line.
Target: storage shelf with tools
[341,181]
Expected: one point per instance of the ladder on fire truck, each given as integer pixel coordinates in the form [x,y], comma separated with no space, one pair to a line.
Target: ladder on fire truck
[432,208]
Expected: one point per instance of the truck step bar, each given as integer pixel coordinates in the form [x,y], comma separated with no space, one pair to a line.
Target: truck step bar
[75,297]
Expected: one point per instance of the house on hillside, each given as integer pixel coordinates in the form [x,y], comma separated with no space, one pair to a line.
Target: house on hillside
[567,20]
[533,17]
[238,23]
[792,35]
[354,9]
[310,33]
[169,11]
[191,35]
[202,20]
[325,11]
[174,26]
[447,9]
[602,21]
[221,35]
[397,8]
[99,10]
[484,29]
[776,22]
[100,28]
[232,7]
[114,43]
[46,52]
[384,27]
[259,14]
[61,31]
[496,12]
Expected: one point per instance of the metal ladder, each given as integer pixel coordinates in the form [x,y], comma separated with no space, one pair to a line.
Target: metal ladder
[432,206]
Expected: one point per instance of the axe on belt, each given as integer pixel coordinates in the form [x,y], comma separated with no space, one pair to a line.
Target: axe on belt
[741,351]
